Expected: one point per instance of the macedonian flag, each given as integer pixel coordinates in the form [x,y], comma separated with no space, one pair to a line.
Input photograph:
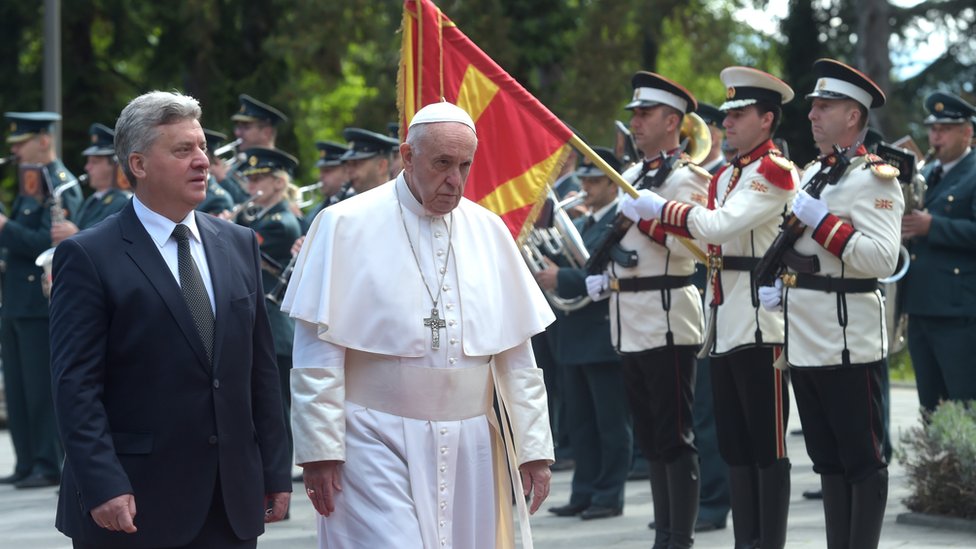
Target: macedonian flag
[521,145]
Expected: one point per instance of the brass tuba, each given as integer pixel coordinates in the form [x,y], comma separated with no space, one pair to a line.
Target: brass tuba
[695,137]
[557,239]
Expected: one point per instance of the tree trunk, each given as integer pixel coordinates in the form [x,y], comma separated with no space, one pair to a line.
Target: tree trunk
[873,55]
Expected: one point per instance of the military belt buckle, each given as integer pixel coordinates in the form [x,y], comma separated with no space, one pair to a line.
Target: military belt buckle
[614,285]
[715,262]
[789,280]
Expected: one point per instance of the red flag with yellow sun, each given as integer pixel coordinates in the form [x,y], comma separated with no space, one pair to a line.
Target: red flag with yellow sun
[521,144]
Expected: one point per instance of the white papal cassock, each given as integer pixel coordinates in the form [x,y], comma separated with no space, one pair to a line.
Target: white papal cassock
[424,465]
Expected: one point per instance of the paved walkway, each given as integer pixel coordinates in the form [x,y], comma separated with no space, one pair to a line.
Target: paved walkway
[27,517]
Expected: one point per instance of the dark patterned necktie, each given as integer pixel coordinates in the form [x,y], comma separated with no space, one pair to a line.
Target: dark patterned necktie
[194,292]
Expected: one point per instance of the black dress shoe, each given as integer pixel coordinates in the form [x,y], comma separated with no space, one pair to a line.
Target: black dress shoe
[568,510]
[599,512]
[813,494]
[36,480]
[709,525]
[10,479]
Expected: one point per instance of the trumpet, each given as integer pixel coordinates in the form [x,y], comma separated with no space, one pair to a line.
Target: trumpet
[306,195]
[248,212]
[231,147]
[7,160]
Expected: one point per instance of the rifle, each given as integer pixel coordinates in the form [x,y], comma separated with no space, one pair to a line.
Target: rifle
[781,252]
[621,224]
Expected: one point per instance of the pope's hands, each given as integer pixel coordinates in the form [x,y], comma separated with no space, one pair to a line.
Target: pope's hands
[535,480]
[596,286]
[771,296]
[811,211]
[647,205]
[322,484]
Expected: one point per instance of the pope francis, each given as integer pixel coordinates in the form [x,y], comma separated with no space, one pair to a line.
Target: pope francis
[413,310]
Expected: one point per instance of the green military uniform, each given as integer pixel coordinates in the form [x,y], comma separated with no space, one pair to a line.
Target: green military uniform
[24,329]
[217,199]
[100,205]
[250,110]
[940,288]
[330,156]
[277,229]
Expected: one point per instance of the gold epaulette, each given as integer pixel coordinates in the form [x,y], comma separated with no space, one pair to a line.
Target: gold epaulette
[880,168]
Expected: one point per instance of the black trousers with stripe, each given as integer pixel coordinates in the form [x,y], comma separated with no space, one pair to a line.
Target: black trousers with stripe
[661,389]
[843,426]
[752,406]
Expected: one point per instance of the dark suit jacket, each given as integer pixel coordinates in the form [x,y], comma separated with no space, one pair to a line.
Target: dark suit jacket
[941,280]
[140,410]
[584,335]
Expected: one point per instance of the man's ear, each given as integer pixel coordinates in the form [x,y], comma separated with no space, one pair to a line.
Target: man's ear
[137,165]
[406,154]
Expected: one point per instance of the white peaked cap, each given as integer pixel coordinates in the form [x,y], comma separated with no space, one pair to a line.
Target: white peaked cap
[442,112]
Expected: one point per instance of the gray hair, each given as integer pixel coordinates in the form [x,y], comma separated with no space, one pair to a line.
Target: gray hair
[137,127]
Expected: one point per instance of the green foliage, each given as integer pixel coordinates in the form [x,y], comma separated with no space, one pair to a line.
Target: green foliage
[940,457]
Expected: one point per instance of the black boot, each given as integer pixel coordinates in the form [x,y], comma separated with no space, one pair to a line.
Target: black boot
[662,509]
[684,482]
[837,510]
[774,504]
[744,491]
[868,500]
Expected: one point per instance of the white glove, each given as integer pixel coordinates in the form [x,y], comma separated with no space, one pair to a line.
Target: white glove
[647,205]
[811,211]
[771,296]
[596,286]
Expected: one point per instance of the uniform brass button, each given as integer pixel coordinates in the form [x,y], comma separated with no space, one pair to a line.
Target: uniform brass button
[212,439]
[955,271]
[26,211]
[30,278]
[913,257]
[950,198]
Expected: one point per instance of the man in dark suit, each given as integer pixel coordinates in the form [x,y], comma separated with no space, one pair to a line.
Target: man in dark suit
[940,288]
[592,375]
[165,383]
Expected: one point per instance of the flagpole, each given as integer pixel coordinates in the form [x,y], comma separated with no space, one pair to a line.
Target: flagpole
[586,151]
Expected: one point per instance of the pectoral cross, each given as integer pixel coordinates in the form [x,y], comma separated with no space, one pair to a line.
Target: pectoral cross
[435,322]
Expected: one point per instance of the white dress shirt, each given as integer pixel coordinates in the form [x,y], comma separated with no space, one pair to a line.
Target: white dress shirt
[160,229]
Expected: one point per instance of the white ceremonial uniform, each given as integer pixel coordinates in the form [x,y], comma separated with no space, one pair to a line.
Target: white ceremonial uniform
[744,222]
[638,320]
[411,480]
[871,207]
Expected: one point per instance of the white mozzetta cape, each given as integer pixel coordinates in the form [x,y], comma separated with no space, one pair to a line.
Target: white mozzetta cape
[356,265]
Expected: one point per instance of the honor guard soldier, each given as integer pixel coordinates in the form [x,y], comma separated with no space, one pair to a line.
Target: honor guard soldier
[592,378]
[103,177]
[656,316]
[835,313]
[713,501]
[256,125]
[218,200]
[269,173]
[747,200]
[369,158]
[24,337]
[334,176]
[940,288]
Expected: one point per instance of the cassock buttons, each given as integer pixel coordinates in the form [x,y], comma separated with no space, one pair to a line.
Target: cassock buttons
[437,234]
[443,449]
[449,306]
[452,360]
[446,288]
[440,253]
